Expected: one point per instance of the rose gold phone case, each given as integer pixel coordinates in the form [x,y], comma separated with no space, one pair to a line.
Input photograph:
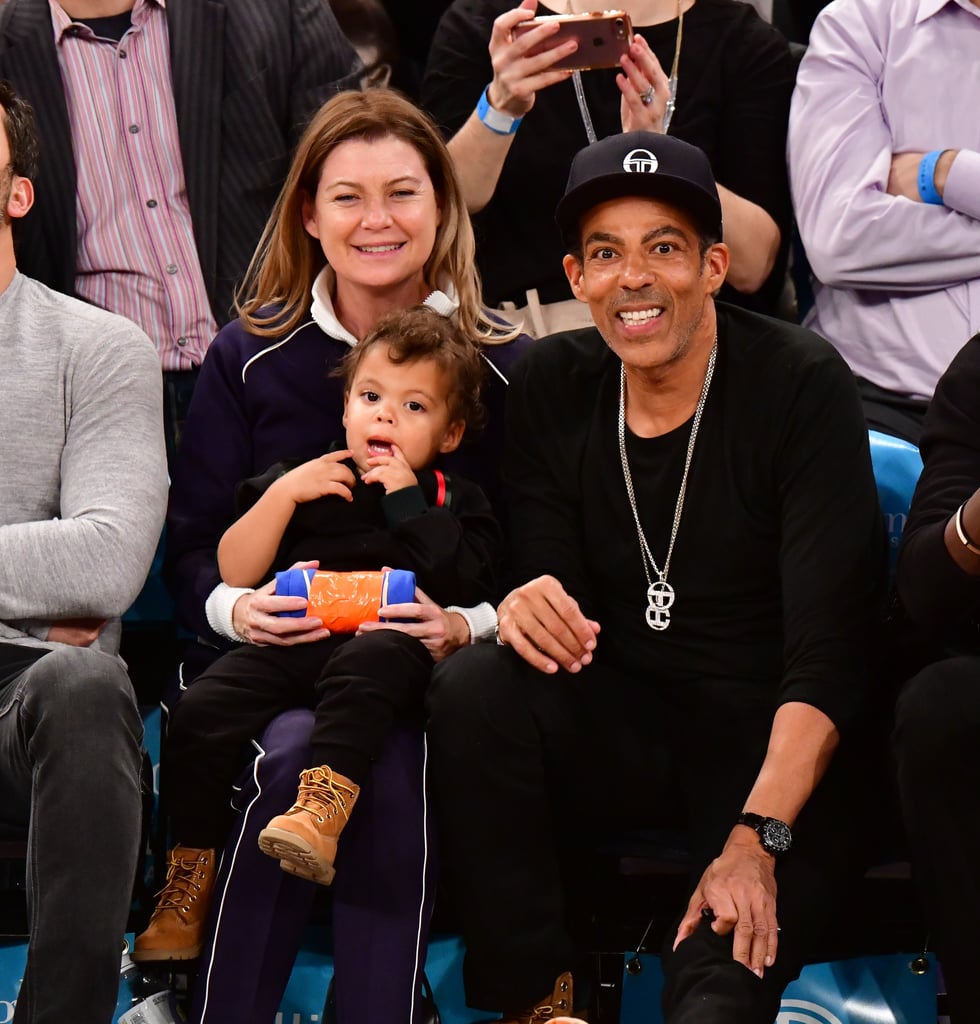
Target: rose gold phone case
[603,37]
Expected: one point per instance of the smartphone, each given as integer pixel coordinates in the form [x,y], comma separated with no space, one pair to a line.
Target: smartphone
[603,37]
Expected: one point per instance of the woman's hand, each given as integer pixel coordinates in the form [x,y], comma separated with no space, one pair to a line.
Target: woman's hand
[645,89]
[440,631]
[256,619]
[516,76]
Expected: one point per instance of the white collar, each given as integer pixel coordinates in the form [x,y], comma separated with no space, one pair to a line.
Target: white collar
[443,301]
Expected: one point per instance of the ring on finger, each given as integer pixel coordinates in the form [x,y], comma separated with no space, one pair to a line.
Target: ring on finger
[646,97]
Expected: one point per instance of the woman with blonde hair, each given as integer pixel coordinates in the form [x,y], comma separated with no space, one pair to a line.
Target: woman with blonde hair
[370,219]
[289,258]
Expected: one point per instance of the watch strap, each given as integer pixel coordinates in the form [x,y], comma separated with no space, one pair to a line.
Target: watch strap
[753,821]
[775,835]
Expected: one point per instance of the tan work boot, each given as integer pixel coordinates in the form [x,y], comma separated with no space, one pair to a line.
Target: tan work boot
[176,928]
[556,1005]
[305,837]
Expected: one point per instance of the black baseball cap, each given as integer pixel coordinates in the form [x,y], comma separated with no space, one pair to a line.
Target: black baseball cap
[640,164]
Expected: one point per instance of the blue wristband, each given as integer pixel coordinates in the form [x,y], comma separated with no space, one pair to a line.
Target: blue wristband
[496,120]
[927,175]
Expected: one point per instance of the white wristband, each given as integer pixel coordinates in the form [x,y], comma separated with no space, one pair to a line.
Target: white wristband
[219,608]
[481,620]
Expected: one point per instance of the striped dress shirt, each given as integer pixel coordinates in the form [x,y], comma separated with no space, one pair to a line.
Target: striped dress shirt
[136,250]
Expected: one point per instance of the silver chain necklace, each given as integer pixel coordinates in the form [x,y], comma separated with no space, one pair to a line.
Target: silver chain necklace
[660,594]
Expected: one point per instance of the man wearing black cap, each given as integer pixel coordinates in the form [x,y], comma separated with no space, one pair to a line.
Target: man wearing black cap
[696,535]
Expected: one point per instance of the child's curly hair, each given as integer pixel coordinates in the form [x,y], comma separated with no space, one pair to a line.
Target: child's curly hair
[422,333]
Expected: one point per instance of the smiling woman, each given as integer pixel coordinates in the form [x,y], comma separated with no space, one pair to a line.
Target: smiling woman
[375,215]
[335,165]
[370,220]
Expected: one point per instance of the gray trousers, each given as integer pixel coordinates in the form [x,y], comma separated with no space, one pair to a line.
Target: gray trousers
[70,761]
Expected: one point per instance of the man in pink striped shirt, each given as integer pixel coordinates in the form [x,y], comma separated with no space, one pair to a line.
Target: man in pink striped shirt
[166,129]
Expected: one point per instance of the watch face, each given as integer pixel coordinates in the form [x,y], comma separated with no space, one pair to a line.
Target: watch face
[776,836]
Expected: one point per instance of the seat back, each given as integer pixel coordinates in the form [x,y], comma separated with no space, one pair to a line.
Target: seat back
[897,465]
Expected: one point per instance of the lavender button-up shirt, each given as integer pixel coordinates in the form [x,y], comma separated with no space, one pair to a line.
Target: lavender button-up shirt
[899,281]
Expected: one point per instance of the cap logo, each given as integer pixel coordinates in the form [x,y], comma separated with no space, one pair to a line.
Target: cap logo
[640,161]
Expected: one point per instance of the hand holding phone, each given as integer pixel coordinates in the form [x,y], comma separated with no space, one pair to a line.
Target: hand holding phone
[522,64]
[603,37]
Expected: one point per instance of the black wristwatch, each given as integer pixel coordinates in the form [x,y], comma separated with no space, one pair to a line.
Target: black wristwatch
[775,835]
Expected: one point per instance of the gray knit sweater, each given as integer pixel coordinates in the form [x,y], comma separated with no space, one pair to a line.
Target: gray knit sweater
[83,477]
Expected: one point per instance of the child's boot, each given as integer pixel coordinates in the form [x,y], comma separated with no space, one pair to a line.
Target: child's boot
[176,928]
[305,837]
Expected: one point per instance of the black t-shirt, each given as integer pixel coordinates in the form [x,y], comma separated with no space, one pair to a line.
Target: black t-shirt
[780,556]
[735,81]
[115,26]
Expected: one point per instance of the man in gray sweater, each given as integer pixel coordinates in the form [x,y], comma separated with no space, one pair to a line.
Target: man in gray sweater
[82,498]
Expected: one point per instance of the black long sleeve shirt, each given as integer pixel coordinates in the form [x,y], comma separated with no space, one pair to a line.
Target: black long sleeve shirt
[779,562]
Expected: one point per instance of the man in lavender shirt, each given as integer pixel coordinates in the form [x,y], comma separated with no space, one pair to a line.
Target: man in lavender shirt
[884,156]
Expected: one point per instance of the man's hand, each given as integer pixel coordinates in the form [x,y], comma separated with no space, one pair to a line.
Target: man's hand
[318,477]
[903,178]
[546,626]
[76,632]
[391,471]
[739,888]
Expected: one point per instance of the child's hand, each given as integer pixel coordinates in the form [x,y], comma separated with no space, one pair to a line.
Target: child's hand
[319,477]
[392,471]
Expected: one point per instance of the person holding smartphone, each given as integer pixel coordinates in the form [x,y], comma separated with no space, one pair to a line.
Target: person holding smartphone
[711,72]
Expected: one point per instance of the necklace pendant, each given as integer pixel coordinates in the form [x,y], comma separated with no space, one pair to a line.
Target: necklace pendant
[660,596]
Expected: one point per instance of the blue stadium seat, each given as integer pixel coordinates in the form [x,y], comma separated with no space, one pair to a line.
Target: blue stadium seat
[897,465]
